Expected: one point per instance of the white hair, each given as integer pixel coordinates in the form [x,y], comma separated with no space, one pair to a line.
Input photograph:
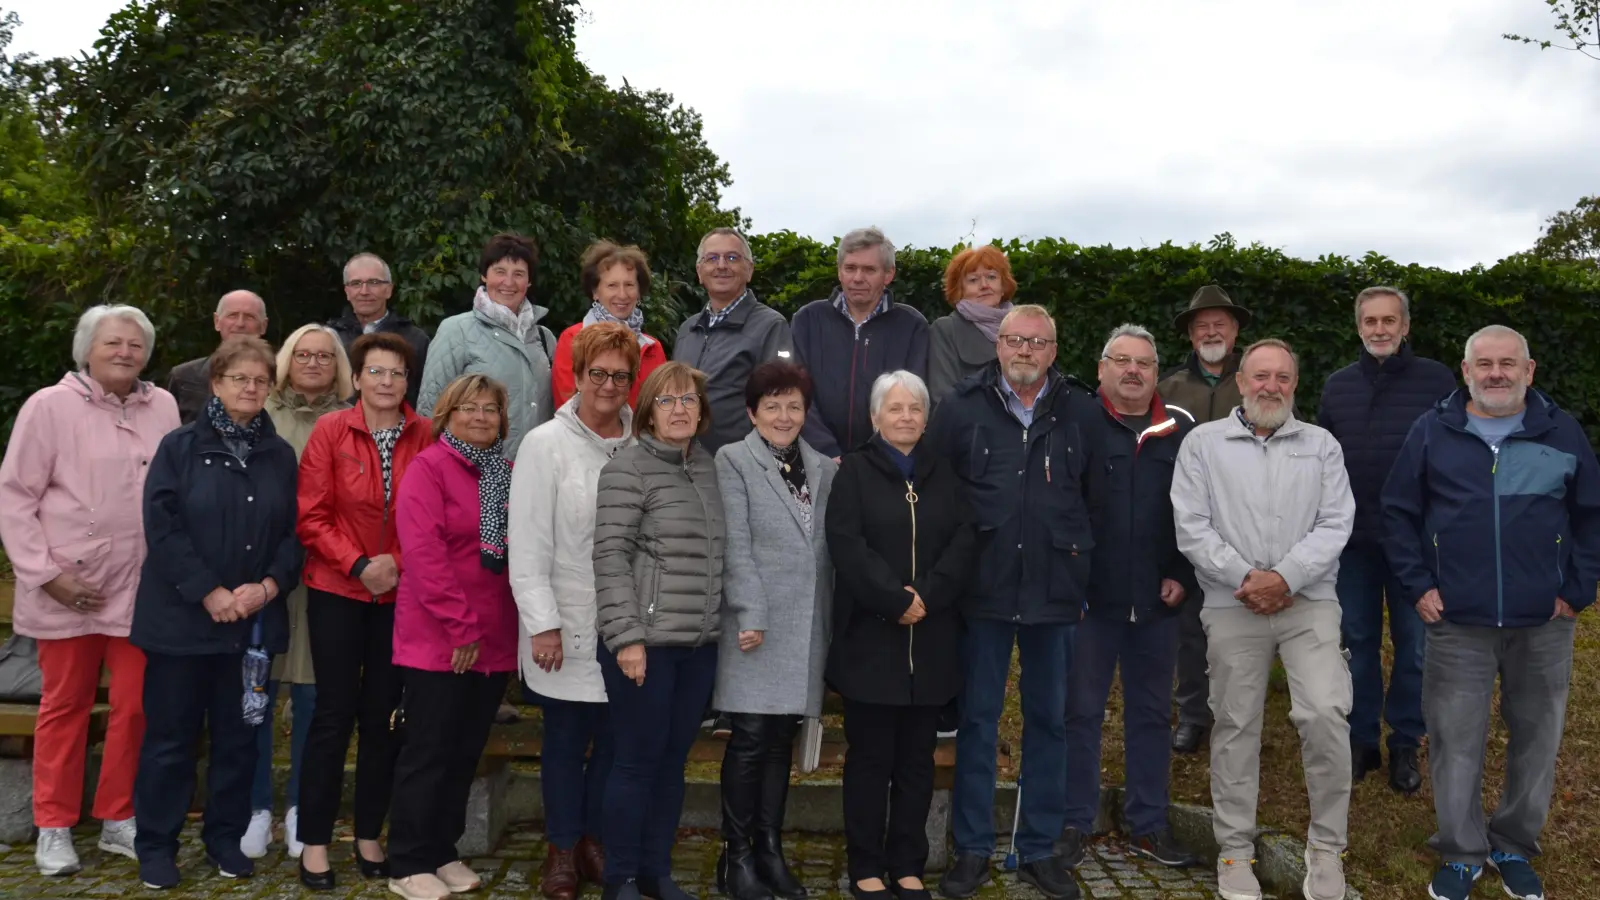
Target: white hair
[259,301]
[89,323]
[866,239]
[1496,331]
[1029,311]
[881,386]
[1128,329]
[701,250]
[367,257]
[1384,290]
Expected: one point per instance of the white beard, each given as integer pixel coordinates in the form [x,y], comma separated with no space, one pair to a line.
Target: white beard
[1213,353]
[1268,418]
[1498,408]
[1384,352]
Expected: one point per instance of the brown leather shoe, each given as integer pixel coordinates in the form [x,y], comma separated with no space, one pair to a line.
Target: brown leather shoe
[558,880]
[591,861]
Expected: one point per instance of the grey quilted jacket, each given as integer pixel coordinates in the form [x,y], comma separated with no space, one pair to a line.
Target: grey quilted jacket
[659,537]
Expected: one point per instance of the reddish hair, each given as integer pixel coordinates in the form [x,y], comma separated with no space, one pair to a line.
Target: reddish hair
[972,259]
[602,337]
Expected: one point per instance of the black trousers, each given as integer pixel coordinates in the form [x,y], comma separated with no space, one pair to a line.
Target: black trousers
[447,726]
[182,694]
[352,651]
[888,777]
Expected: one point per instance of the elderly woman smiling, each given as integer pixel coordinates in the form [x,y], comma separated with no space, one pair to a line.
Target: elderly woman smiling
[70,497]
[616,278]
[978,284]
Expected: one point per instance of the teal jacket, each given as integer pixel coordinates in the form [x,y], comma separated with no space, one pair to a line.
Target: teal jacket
[470,343]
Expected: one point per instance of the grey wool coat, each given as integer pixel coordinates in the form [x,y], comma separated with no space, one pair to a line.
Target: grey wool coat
[777,580]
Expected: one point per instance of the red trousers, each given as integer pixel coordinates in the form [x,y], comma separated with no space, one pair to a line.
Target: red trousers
[71,674]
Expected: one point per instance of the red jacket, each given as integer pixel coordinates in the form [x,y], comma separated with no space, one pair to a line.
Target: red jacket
[562,385]
[343,516]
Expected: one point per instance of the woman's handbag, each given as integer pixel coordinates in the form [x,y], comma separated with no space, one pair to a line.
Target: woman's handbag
[20,680]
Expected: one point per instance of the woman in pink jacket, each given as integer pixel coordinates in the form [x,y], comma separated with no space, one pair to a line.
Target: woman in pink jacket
[455,632]
[71,518]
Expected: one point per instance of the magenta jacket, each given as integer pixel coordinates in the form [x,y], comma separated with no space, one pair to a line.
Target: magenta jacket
[447,599]
[72,500]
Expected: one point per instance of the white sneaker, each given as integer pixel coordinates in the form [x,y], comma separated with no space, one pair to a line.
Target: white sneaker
[1236,880]
[1324,875]
[458,878]
[425,886]
[117,837]
[54,854]
[258,835]
[291,824]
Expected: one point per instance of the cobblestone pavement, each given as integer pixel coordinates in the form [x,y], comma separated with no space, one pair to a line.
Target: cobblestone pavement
[513,872]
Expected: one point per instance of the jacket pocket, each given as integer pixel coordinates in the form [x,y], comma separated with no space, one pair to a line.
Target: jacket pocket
[88,561]
[1070,566]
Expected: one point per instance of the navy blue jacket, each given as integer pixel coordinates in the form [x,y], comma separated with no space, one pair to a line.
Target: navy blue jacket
[1500,535]
[1370,408]
[844,361]
[212,521]
[1136,541]
[1029,494]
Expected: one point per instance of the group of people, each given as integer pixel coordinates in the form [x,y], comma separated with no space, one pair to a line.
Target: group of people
[855,500]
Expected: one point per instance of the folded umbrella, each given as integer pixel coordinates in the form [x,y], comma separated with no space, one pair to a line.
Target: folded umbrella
[256,668]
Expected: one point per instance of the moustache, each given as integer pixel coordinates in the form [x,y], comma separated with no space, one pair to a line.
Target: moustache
[1132,379]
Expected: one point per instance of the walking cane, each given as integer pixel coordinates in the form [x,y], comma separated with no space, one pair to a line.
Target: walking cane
[1016,817]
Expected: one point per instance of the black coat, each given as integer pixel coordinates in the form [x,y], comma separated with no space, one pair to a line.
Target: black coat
[873,658]
[212,521]
[1029,495]
[1370,409]
[1136,542]
[348,327]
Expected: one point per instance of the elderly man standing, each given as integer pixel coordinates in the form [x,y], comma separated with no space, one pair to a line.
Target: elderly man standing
[239,314]
[1492,526]
[1369,406]
[731,336]
[1023,438]
[368,286]
[1263,509]
[1138,583]
[852,337]
[1205,387]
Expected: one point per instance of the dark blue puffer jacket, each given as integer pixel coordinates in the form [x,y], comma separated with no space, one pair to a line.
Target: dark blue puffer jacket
[1370,408]
[1500,534]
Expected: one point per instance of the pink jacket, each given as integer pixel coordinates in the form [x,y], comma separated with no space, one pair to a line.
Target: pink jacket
[72,499]
[447,599]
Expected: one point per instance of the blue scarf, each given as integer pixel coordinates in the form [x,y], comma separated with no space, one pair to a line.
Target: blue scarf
[902,461]
[239,439]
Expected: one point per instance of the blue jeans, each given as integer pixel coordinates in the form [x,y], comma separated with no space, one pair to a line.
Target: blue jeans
[574,792]
[302,701]
[1148,654]
[1046,652]
[1364,584]
[654,726]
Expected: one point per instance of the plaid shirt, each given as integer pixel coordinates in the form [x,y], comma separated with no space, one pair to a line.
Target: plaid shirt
[714,318]
[843,305]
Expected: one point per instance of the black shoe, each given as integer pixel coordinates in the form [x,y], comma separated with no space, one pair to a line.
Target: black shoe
[1364,760]
[627,890]
[736,873]
[370,869]
[231,863]
[721,725]
[317,881]
[859,894]
[771,868]
[904,893]
[1053,879]
[662,889]
[1187,737]
[1069,847]
[1161,847]
[970,872]
[1404,776]
[159,874]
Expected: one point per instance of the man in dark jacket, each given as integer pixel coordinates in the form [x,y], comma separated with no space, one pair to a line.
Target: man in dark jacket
[239,313]
[368,286]
[852,337]
[1492,528]
[1136,586]
[1205,387]
[1023,439]
[1369,406]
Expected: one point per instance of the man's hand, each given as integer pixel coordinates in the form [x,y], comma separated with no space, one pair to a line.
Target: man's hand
[1263,593]
[547,653]
[916,612]
[749,640]
[222,605]
[631,660]
[1171,592]
[1563,611]
[463,658]
[1431,608]
[381,575]
[68,591]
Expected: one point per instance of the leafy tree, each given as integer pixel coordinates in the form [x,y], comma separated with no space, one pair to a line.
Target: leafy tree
[1572,235]
[1578,21]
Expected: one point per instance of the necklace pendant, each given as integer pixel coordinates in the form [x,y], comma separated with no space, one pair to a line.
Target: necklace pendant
[785,467]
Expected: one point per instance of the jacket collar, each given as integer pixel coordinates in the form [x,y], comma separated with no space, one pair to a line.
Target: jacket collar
[84,385]
[208,441]
[392,320]
[356,418]
[1538,418]
[1399,362]
[1230,364]
[294,401]
[567,415]
[736,317]
[922,460]
[1162,422]
[757,447]
[668,453]
[1237,429]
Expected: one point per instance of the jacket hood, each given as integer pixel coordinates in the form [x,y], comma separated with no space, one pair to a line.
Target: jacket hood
[1164,419]
[567,415]
[1538,417]
[84,385]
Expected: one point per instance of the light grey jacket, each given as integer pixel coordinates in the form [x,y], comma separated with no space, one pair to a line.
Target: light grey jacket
[470,343]
[778,581]
[658,547]
[1280,504]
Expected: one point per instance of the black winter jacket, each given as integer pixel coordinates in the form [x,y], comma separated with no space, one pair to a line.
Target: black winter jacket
[213,521]
[1136,542]
[1029,494]
[880,542]
[348,327]
[1370,408]
[844,361]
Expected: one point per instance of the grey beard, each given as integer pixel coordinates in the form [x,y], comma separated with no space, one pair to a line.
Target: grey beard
[1392,349]
[1493,408]
[1269,419]
[1213,353]
[1021,377]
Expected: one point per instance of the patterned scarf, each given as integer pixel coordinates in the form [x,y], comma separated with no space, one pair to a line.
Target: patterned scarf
[522,323]
[792,469]
[386,439]
[987,318]
[634,321]
[494,495]
[239,439]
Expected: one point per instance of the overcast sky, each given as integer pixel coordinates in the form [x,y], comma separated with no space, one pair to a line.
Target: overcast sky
[1408,128]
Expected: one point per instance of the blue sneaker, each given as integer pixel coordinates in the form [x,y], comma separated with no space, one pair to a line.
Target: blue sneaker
[159,873]
[1519,879]
[1454,881]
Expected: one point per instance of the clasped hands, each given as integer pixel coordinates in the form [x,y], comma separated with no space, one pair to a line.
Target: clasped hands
[242,602]
[917,611]
[1264,592]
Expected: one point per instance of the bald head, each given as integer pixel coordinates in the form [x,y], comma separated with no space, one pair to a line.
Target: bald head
[240,314]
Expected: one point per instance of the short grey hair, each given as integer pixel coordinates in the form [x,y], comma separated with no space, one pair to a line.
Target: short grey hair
[865,239]
[259,301]
[1030,310]
[1384,290]
[367,257]
[1128,329]
[89,323]
[1274,343]
[881,386]
[701,250]
[1497,331]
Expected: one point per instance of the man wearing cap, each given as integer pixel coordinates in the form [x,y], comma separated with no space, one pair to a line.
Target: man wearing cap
[1205,387]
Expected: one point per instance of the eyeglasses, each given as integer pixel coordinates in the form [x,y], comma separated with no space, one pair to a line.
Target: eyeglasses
[322,358]
[1015,341]
[370,283]
[472,409]
[243,381]
[597,377]
[1122,361]
[733,259]
[379,371]
[689,401]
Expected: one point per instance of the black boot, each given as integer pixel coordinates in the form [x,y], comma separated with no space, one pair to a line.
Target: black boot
[741,795]
[777,756]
